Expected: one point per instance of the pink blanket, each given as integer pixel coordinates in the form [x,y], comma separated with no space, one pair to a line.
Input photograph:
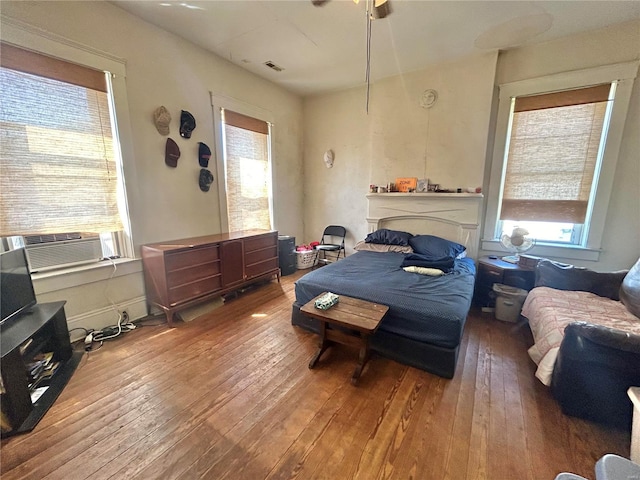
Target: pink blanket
[549,311]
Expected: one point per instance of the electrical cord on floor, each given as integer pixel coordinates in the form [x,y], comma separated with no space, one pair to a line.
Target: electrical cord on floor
[113,331]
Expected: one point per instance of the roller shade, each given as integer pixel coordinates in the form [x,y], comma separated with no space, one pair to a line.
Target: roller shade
[58,171]
[552,156]
[247,172]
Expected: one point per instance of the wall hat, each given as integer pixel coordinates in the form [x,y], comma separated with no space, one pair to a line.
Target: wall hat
[162,119]
[171,153]
[187,124]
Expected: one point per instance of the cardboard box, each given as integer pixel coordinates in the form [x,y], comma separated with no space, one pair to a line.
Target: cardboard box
[528,261]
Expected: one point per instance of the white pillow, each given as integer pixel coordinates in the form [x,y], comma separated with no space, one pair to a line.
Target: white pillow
[433,272]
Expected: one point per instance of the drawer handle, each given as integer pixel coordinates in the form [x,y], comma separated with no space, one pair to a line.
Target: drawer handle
[494,274]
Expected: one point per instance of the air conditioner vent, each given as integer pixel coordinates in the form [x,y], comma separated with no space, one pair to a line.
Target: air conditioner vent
[45,256]
[273,66]
[54,237]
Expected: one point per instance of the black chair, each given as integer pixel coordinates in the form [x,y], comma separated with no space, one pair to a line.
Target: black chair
[331,244]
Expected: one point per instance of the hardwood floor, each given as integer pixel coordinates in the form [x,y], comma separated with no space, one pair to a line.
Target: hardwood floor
[229,395]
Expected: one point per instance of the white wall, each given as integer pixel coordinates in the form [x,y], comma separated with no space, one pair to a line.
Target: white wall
[398,138]
[163,69]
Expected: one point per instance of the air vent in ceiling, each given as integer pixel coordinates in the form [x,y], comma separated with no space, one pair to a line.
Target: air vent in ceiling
[273,66]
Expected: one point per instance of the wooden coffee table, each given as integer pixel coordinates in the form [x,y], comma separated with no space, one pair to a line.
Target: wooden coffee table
[359,316]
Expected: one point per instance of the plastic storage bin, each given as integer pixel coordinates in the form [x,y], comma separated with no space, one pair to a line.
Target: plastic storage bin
[509,302]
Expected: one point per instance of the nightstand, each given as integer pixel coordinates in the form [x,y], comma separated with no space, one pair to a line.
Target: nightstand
[494,270]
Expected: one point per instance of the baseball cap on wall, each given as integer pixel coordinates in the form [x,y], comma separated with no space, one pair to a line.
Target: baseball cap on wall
[162,119]
[205,180]
[204,154]
[187,124]
[171,153]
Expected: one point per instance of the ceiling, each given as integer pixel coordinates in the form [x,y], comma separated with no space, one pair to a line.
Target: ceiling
[323,48]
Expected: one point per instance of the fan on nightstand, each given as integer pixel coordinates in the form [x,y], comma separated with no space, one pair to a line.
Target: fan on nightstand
[518,242]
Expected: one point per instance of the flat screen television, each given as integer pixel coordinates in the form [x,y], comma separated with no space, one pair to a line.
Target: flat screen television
[16,287]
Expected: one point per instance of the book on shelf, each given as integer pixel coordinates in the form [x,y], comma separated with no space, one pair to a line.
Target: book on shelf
[42,368]
[25,345]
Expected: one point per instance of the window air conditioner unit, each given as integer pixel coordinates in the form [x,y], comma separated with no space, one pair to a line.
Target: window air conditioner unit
[54,251]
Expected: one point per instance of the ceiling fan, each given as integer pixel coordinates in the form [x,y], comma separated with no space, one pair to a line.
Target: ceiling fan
[379,8]
[375,9]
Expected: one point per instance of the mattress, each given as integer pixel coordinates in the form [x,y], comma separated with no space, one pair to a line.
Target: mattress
[421,308]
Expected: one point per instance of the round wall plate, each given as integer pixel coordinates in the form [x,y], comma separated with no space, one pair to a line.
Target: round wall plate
[429,98]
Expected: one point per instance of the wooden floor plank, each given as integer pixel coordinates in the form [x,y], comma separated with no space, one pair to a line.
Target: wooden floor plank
[229,395]
[457,453]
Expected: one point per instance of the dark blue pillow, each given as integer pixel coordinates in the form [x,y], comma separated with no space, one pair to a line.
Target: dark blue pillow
[435,247]
[416,260]
[388,237]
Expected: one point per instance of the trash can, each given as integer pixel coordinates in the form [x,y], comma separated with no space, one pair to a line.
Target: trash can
[509,302]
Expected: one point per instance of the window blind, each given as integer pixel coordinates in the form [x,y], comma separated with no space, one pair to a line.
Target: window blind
[247,172]
[552,156]
[57,163]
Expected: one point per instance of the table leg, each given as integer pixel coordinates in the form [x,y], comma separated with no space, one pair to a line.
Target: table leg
[324,344]
[169,314]
[362,360]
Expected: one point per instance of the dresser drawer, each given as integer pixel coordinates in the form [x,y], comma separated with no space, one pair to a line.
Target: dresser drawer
[179,277]
[260,255]
[262,241]
[191,257]
[195,289]
[261,268]
[488,275]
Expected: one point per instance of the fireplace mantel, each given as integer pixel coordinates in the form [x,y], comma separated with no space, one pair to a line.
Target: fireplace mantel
[454,216]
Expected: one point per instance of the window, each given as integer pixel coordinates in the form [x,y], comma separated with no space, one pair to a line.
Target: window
[247,172]
[554,151]
[59,162]
[554,158]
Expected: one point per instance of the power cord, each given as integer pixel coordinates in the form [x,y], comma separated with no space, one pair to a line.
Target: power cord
[107,333]
[123,325]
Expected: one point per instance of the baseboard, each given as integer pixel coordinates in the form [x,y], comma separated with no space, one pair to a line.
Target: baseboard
[104,317]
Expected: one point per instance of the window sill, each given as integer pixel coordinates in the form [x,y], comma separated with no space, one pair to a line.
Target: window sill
[557,252]
[64,278]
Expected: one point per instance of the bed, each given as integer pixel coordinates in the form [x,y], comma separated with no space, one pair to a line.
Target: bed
[427,314]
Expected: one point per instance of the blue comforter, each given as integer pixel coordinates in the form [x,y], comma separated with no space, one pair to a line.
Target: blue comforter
[423,308]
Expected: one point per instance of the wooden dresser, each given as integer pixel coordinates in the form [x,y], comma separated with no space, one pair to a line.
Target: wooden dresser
[182,273]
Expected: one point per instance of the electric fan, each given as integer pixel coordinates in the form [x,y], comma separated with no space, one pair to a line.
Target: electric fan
[518,242]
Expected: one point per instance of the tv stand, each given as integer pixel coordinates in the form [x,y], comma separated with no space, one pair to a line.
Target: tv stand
[41,329]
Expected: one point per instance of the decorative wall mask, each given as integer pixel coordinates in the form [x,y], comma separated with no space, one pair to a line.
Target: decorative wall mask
[328,158]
